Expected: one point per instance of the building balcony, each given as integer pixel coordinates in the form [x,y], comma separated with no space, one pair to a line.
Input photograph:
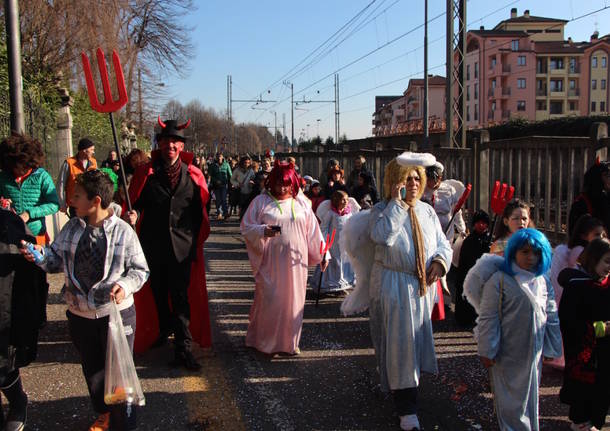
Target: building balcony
[505,92]
[491,92]
[557,92]
[505,114]
[574,69]
[490,115]
[556,71]
[541,70]
[541,92]
[574,92]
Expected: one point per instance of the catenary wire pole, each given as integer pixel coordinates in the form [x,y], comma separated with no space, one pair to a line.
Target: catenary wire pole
[13,45]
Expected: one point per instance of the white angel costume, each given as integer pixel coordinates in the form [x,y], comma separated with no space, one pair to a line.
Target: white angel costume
[517,320]
[339,275]
[443,201]
[379,242]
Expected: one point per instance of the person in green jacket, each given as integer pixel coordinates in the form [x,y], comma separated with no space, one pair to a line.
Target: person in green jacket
[220,175]
[30,191]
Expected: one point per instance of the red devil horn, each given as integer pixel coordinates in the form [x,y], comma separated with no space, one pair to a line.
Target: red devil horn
[184,126]
[161,123]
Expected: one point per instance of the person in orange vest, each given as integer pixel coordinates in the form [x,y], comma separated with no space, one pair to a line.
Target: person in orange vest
[72,167]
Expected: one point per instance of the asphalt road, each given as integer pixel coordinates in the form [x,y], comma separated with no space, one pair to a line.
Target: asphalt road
[332,385]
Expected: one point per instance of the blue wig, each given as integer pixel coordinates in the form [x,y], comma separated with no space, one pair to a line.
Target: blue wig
[537,241]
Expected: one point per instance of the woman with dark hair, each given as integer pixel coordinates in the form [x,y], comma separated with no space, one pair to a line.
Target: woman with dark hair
[31,193]
[335,182]
[595,197]
[283,238]
[584,315]
[364,190]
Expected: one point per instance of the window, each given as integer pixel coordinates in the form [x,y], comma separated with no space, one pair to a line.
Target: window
[556,84]
[572,106]
[468,92]
[573,65]
[476,112]
[556,63]
[603,84]
[514,45]
[468,113]
[493,62]
[541,105]
[493,83]
[493,106]
[572,84]
[468,72]
[521,83]
[556,107]
[594,84]
[476,70]
[476,91]
[604,62]
[592,106]
[541,65]
[521,60]
[520,105]
[593,62]
[602,106]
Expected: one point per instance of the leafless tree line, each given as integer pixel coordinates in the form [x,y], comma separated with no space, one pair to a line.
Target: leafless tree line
[150,36]
[211,131]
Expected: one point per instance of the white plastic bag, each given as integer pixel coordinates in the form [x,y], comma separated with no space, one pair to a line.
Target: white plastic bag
[121,383]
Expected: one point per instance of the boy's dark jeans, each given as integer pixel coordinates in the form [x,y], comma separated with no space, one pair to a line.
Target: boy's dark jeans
[90,338]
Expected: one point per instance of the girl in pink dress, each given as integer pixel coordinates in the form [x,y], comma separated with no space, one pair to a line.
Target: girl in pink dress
[282,238]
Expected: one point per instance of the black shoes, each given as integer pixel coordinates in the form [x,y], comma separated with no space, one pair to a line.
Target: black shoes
[186,360]
[161,340]
[17,415]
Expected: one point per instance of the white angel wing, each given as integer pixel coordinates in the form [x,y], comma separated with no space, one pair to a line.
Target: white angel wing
[356,242]
[457,185]
[354,205]
[323,209]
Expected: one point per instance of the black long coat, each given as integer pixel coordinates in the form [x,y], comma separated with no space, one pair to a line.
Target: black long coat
[19,297]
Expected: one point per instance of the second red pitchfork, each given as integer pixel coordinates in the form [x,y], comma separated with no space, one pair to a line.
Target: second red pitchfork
[324,247]
[110,105]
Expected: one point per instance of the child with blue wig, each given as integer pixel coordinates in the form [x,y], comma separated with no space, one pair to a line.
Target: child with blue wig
[517,321]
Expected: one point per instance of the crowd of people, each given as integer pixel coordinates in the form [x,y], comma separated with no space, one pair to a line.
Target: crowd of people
[397,254]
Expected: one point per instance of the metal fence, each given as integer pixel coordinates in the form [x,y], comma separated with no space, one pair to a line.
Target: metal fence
[547,172]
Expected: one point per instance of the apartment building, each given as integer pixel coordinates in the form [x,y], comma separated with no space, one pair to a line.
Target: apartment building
[523,68]
[404,114]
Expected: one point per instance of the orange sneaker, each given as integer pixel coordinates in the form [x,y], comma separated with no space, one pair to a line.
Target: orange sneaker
[102,423]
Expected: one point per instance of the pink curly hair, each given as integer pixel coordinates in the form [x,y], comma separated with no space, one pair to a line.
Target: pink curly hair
[283,173]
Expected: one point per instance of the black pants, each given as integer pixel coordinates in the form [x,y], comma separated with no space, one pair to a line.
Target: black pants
[405,401]
[169,277]
[591,407]
[90,338]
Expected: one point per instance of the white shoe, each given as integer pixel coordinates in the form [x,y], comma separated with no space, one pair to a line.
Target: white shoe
[409,422]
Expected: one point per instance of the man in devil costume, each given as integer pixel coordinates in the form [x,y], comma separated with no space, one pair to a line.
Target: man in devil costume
[169,197]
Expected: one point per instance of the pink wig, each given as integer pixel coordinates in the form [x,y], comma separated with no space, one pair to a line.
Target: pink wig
[283,173]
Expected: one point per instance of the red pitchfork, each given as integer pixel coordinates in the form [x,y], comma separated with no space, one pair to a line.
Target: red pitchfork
[324,247]
[500,197]
[110,105]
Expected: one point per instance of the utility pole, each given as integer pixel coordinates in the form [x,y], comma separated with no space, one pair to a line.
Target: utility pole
[13,45]
[426,129]
[335,101]
[291,112]
[456,72]
[284,130]
[336,109]
[140,120]
[230,101]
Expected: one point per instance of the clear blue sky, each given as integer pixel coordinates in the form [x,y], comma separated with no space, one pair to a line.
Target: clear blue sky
[259,42]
